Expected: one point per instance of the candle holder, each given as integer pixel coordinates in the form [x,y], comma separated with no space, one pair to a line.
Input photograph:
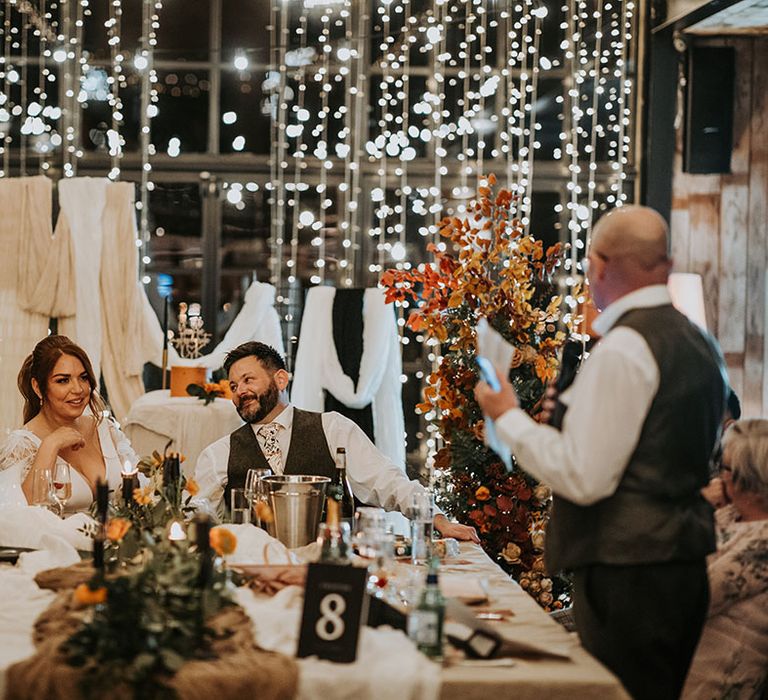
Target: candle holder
[130,477]
[190,338]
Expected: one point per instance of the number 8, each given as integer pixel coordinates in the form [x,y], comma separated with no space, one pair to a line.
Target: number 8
[330,626]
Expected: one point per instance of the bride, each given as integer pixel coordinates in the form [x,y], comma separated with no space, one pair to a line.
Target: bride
[64,422]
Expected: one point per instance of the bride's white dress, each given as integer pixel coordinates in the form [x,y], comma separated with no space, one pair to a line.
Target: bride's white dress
[20,448]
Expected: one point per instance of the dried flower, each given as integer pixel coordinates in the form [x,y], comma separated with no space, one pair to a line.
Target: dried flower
[223,541]
[264,512]
[116,529]
[85,595]
[192,487]
[542,493]
[537,539]
[482,493]
[143,496]
[512,554]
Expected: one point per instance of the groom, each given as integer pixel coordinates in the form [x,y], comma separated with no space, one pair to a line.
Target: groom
[288,440]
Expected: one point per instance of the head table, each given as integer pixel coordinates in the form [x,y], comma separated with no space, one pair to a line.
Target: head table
[157,417]
[388,665]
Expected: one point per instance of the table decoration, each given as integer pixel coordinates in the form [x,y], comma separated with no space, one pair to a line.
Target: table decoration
[141,511]
[159,630]
[208,391]
[489,267]
[189,341]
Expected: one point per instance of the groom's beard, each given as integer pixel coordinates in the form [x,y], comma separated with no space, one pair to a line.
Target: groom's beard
[253,408]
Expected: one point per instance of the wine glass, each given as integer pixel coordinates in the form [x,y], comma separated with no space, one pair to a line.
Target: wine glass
[42,491]
[62,483]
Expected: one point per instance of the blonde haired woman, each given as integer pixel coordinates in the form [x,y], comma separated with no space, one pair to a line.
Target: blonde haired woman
[732,657]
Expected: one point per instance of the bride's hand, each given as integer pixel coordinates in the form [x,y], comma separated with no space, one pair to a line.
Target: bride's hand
[67,438]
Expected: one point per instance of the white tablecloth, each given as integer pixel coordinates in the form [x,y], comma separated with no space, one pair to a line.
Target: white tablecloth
[388,666]
[156,418]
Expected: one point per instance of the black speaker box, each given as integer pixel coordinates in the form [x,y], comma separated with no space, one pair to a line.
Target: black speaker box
[709,110]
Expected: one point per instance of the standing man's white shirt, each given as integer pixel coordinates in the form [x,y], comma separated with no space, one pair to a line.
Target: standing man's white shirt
[585,460]
[374,478]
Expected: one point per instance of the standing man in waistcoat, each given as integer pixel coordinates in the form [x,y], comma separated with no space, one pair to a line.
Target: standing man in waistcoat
[288,440]
[627,463]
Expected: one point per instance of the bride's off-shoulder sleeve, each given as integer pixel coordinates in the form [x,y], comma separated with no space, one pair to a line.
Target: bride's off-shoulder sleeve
[18,452]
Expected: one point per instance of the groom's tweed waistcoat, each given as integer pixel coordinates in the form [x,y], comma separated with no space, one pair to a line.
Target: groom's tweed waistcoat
[656,513]
[308,452]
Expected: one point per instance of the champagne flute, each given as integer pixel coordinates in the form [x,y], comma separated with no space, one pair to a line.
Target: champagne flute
[62,483]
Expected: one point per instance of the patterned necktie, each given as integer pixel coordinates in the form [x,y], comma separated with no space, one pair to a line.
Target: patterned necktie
[271,446]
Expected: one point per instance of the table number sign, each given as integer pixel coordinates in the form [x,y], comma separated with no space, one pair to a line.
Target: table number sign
[333,610]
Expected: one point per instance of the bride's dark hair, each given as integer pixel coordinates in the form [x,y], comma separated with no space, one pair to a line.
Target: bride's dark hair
[40,364]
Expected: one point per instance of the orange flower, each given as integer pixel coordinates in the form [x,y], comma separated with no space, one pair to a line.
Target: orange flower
[264,512]
[85,595]
[192,487]
[482,494]
[223,541]
[116,529]
[143,496]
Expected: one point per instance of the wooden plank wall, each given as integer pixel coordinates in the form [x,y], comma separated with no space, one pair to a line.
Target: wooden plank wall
[719,229]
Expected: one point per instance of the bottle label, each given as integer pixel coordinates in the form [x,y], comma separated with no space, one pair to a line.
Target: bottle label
[424,628]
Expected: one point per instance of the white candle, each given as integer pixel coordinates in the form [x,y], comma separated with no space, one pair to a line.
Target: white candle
[176,532]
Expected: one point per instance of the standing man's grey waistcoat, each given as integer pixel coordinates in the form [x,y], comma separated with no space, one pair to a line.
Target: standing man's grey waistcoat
[656,513]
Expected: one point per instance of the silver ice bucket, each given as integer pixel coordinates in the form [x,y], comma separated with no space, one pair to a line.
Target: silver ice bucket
[297,505]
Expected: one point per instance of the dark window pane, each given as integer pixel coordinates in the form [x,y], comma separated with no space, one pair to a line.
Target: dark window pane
[244,247]
[175,246]
[184,30]
[244,29]
[182,110]
[246,124]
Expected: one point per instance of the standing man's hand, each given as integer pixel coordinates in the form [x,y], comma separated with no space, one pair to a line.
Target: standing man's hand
[446,528]
[548,405]
[496,403]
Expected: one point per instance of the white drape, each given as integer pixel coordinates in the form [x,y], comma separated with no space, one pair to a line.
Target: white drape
[318,367]
[128,339]
[86,276]
[257,320]
[81,201]
[35,281]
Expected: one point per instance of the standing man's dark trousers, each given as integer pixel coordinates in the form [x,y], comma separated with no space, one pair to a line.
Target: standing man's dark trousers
[643,622]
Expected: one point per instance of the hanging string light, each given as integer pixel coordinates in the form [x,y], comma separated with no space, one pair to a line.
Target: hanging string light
[348,149]
[116,81]
[42,32]
[144,62]
[299,164]
[435,106]
[6,102]
[321,150]
[278,106]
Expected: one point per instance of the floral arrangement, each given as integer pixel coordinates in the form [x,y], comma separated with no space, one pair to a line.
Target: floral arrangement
[165,499]
[145,624]
[209,392]
[488,266]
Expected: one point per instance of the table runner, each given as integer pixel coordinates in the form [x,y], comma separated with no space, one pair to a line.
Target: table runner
[233,667]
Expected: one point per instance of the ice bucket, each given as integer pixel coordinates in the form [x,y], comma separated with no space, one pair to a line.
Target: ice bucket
[297,505]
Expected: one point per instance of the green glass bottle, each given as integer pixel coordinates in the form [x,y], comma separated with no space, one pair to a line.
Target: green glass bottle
[425,623]
[342,491]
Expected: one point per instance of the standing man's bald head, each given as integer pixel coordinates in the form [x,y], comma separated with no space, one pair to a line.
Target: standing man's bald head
[629,250]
